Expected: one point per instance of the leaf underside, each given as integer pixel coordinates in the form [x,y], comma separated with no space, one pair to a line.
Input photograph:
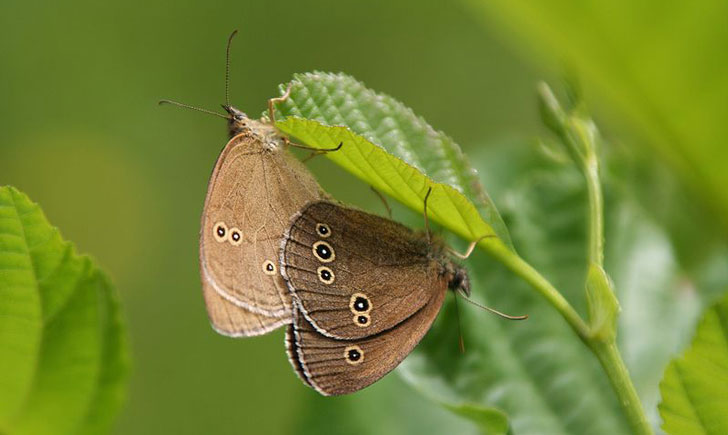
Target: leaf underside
[386,145]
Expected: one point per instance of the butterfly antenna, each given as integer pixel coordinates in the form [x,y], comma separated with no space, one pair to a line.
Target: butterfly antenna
[496,312]
[187,106]
[427,222]
[227,67]
[461,342]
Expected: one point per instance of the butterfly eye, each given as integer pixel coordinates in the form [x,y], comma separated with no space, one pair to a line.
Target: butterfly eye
[325,274]
[219,230]
[324,252]
[236,237]
[269,268]
[323,230]
[360,304]
[354,355]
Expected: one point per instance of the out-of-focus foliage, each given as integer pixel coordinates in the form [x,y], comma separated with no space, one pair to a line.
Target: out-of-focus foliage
[662,66]
[64,361]
[695,386]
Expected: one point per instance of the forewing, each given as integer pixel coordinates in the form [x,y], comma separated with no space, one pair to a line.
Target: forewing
[377,274]
[253,192]
[327,364]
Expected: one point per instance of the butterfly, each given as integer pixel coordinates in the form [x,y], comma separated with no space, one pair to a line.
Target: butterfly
[365,289]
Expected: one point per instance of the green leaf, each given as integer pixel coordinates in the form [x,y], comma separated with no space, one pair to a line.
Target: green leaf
[389,147]
[488,420]
[64,359]
[602,303]
[695,386]
[662,66]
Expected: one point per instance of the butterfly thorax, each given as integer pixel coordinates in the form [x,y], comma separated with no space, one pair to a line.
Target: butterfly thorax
[240,123]
[456,275]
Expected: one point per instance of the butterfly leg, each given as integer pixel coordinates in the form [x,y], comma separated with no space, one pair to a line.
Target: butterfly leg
[424,211]
[461,341]
[273,101]
[471,247]
[384,201]
[316,151]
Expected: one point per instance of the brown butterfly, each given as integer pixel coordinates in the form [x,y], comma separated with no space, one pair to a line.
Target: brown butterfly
[255,188]
[366,290]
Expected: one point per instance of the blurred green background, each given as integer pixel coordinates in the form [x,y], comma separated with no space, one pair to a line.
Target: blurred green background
[81,133]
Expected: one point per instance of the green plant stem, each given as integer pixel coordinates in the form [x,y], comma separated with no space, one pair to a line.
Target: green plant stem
[612,363]
[596,211]
[580,137]
[521,268]
[606,351]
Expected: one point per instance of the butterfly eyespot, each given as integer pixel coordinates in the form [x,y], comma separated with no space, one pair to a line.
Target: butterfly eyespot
[360,304]
[354,355]
[220,231]
[236,237]
[323,230]
[269,268]
[325,275]
[362,320]
[323,251]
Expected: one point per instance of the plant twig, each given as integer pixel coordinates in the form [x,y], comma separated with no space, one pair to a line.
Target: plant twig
[579,135]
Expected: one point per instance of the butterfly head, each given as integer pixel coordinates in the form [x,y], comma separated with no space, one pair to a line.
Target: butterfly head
[459,280]
[238,121]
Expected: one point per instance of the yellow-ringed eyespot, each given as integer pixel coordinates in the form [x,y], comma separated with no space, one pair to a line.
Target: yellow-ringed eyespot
[220,231]
[360,303]
[235,236]
[269,268]
[325,275]
[354,355]
[323,230]
[323,252]
[362,320]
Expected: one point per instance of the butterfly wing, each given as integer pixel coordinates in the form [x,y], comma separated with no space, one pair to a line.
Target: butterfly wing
[234,321]
[333,367]
[254,190]
[356,274]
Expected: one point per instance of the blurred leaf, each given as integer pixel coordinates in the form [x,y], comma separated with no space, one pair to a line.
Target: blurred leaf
[695,386]
[371,118]
[489,420]
[64,365]
[659,303]
[663,66]
[694,234]
[390,406]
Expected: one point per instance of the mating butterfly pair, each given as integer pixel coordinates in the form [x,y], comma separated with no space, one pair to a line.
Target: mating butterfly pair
[359,291]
